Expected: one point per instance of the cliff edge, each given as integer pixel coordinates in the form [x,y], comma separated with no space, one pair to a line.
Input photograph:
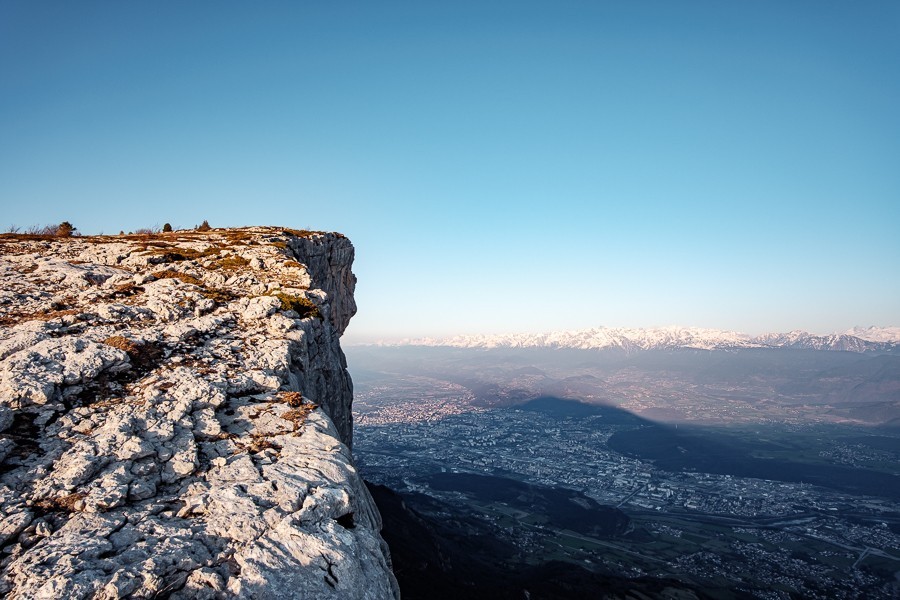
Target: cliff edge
[175,419]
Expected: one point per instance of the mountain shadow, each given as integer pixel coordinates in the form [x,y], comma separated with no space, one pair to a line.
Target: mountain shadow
[439,552]
[561,507]
[708,451]
[562,408]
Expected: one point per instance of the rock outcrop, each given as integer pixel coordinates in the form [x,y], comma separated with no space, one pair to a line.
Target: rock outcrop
[175,419]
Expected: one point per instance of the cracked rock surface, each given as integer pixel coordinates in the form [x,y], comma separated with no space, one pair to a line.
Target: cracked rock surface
[175,419]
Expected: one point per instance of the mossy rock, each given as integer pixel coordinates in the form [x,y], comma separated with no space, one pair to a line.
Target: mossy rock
[302,306]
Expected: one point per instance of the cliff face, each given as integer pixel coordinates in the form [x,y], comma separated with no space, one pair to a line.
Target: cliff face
[175,419]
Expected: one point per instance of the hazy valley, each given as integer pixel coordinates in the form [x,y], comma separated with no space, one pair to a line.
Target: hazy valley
[754,472]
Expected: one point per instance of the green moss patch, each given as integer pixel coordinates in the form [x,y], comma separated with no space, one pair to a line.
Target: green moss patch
[302,306]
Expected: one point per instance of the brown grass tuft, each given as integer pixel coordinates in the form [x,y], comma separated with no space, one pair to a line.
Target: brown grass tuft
[302,306]
[219,295]
[291,398]
[257,443]
[57,310]
[126,290]
[184,277]
[61,504]
[231,263]
[302,232]
[122,343]
[297,416]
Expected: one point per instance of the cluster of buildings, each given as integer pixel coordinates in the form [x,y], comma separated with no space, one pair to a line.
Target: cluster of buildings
[405,441]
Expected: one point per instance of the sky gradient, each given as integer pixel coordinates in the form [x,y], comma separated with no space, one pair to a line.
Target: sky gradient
[500,167]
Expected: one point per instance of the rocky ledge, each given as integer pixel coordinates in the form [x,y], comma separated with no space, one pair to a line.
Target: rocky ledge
[175,419]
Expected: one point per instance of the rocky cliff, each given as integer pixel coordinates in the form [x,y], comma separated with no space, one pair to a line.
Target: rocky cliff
[175,419]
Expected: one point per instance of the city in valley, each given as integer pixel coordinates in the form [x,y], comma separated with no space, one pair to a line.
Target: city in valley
[724,483]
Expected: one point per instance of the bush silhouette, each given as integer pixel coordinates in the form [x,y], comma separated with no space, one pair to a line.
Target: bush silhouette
[65,229]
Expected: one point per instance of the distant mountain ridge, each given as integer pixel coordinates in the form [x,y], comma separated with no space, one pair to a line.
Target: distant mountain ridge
[876,334]
[858,339]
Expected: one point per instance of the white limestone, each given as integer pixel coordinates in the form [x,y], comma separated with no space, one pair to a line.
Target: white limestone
[149,442]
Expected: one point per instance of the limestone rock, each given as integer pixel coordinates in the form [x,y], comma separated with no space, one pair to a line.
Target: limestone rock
[169,427]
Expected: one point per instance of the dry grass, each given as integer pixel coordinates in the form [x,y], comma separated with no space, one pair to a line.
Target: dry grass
[231,263]
[291,398]
[168,249]
[257,443]
[111,401]
[169,257]
[193,254]
[299,408]
[14,318]
[304,233]
[183,277]
[152,245]
[302,306]
[64,229]
[122,343]
[61,504]
[126,290]
[297,416]
[219,295]
[237,235]
[10,245]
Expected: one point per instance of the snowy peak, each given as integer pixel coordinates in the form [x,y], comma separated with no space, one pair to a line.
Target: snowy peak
[601,338]
[667,338]
[876,334]
[808,341]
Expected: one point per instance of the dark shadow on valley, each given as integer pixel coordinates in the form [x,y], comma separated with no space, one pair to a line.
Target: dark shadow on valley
[440,551]
[705,450]
[712,450]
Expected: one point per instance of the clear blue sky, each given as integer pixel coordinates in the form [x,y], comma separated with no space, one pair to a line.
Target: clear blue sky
[500,167]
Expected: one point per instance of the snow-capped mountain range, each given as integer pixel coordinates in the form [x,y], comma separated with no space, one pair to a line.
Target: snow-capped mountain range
[858,339]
